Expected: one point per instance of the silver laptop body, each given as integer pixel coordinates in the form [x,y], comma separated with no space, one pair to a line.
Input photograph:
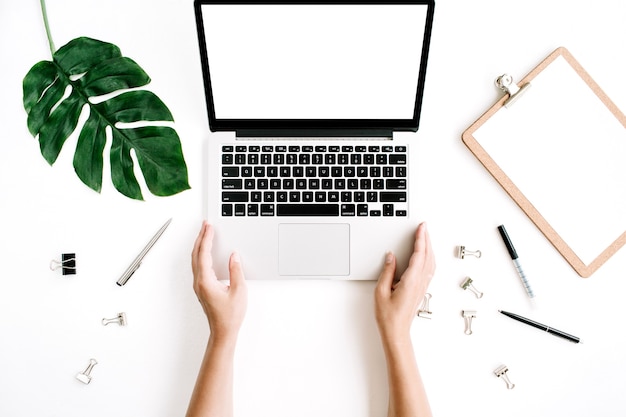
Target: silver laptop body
[313,110]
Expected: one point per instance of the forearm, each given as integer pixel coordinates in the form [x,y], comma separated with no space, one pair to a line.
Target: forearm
[407,396]
[213,393]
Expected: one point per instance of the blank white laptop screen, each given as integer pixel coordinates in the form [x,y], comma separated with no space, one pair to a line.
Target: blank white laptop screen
[286,61]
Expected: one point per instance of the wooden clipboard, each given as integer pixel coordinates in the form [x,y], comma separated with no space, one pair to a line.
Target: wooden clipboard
[486,139]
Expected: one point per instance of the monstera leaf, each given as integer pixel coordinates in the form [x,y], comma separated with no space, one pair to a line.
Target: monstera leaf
[55,93]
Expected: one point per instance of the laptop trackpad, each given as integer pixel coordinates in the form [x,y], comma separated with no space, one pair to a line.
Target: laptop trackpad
[314,249]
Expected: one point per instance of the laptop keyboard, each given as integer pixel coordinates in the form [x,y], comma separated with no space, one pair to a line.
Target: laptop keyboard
[321,180]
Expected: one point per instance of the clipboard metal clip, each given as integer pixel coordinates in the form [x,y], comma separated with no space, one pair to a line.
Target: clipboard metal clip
[506,84]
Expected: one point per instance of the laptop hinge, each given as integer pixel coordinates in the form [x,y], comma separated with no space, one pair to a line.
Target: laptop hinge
[315,133]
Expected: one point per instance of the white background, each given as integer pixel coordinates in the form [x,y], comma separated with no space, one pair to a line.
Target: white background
[306,348]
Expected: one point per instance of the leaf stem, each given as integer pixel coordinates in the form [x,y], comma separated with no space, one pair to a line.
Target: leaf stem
[45,22]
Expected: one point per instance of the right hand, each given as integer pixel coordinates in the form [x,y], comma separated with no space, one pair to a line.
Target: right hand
[397,302]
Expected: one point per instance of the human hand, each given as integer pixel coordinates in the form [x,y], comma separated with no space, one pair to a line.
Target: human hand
[224,305]
[396,302]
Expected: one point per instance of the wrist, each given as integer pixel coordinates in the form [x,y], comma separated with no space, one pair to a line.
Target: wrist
[223,341]
[396,344]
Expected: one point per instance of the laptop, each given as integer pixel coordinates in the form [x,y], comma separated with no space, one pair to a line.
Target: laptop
[313,110]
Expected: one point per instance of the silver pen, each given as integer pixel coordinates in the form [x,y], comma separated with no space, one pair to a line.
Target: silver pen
[137,262]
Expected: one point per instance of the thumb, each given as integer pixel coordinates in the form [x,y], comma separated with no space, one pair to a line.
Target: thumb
[387,275]
[237,278]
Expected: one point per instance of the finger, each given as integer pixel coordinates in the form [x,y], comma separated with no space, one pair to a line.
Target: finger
[430,255]
[204,257]
[237,278]
[387,275]
[419,246]
[196,245]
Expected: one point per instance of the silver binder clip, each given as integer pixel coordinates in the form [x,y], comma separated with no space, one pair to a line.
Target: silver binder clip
[506,84]
[468,315]
[467,285]
[424,311]
[120,319]
[500,372]
[461,252]
[67,264]
[85,376]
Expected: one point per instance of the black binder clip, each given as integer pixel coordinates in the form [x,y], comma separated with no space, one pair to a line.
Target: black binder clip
[67,264]
[506,84]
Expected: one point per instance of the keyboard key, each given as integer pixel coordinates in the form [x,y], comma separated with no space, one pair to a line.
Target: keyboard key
[227,148]
[241,148]
[399,159]
[227,209]
[348,210]
[279,158]
[401,213]
[307,197]
[399,184]
[256,196]
[240,209]
[393,197]
[362,210]
[235,197]
[282,197]
[230,171]
[267,209]
[253,209]
[387,209]
[232,184]
[227,159]
[307,209]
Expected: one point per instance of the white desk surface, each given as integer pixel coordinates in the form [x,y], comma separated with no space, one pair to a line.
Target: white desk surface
[306,348]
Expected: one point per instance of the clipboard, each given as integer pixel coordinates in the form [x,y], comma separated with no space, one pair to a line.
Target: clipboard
[556,143]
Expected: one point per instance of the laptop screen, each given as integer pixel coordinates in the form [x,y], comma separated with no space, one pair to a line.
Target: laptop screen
[308,66]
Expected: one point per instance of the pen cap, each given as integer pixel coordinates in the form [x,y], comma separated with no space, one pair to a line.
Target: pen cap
[507,241]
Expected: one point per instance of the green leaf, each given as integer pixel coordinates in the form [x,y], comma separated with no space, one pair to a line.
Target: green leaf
[89,68]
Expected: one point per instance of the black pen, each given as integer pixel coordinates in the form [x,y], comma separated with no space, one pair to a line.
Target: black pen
[514,257]
[543,327]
